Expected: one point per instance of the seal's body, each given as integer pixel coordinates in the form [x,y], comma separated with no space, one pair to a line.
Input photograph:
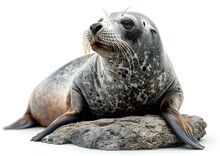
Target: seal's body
[51,98]
[130,74]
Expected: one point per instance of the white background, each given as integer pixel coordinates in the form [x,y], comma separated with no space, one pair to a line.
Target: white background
[37,37]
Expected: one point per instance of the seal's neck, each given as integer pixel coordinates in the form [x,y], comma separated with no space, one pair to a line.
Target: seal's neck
[121,67]
[126,66]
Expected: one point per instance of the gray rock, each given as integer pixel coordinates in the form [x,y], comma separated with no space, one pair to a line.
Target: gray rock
[128,133]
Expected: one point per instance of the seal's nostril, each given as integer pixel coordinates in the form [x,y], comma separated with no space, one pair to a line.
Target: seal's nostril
[95,27]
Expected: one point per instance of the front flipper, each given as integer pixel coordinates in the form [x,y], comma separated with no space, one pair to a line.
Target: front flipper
[186,136]
[169,107]
[78,111]
[68,117]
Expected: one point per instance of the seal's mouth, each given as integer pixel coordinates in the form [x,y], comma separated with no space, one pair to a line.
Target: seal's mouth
[96,46]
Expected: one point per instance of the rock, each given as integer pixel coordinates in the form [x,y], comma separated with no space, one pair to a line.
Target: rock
[128,133]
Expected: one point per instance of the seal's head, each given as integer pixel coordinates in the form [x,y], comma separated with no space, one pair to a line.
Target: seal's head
[123,35]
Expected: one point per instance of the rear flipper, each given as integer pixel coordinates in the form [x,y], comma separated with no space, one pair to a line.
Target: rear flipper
[170,112]
[26,121]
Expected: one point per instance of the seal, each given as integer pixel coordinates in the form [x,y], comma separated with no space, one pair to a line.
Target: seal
[129,74]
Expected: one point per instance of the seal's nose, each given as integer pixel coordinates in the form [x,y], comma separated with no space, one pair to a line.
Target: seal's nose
[95,27]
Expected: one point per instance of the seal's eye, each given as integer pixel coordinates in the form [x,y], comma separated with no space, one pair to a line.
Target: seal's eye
[127,23]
